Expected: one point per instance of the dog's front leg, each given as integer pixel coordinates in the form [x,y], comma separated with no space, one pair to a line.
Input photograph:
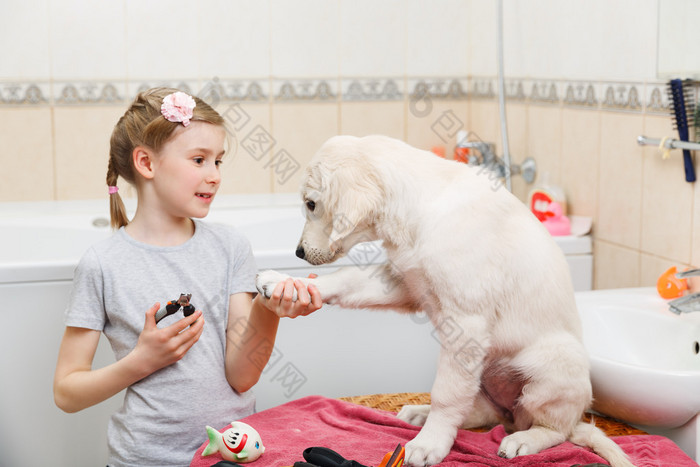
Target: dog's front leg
[456,386]
[374,286]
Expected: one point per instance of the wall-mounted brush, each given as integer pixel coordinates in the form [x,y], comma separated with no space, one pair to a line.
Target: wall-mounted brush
[696,124]
[682,113]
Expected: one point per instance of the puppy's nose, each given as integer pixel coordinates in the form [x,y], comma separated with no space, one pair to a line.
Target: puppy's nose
[300,252]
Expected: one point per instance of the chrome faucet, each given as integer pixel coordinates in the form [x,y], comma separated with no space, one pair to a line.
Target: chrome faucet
[486,150]
[688,303]
[528,169]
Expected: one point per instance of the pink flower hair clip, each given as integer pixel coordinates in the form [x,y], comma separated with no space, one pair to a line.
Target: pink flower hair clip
[178,107]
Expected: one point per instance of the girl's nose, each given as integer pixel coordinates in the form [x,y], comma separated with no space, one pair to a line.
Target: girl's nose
[213,175]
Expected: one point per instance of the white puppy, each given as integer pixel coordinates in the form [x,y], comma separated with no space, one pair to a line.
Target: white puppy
[493,282]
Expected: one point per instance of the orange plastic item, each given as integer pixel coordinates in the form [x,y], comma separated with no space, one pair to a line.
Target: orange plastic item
[394,458]
[462,154]
[669,286]
[438,151]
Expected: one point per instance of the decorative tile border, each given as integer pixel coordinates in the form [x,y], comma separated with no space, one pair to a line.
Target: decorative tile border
[438,88]
[251,90]
[608,96]
[85,93]
[635,97]
[372,89]
[305,90]
[656,99]
[622,96]
[25,93]
[483,87]
[515,90]
[581,94]
[542,91]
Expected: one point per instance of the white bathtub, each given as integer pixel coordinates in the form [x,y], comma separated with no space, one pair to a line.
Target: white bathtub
[332,352]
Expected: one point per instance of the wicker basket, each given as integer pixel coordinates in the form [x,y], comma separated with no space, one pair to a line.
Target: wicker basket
[394,402]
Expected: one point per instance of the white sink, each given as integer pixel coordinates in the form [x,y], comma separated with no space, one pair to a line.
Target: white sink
[645,360]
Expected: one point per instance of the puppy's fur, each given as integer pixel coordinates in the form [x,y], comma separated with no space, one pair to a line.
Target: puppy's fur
[493,282]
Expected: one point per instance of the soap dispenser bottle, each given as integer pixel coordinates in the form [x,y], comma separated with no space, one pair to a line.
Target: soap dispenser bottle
[542,196]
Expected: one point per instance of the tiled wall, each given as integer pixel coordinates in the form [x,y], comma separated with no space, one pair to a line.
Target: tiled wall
[286,75]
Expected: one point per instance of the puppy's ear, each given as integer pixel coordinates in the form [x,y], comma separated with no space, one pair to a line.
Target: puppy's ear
[355,195]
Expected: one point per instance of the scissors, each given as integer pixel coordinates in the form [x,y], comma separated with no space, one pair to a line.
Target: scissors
[324,457]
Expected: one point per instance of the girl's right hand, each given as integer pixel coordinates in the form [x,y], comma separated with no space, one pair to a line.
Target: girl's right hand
[77,385]
[160,347]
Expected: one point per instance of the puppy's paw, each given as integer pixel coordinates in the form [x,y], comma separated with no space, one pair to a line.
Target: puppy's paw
[426,449]
[266,282]
[520,443]
[513,446]
[529,441]
[414,414]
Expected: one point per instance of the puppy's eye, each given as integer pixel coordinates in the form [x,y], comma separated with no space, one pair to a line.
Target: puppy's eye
[310,205]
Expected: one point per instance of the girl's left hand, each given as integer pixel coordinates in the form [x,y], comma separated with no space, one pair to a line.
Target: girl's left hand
[282,302]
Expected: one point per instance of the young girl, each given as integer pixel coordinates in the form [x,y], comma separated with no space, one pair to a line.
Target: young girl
[186,372]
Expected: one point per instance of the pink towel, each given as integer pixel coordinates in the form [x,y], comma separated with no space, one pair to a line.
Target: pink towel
[365,435]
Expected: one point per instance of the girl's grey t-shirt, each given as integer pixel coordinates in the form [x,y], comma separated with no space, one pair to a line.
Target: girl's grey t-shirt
[162,421]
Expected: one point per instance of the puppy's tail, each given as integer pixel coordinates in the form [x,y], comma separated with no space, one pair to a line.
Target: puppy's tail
[589,435]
